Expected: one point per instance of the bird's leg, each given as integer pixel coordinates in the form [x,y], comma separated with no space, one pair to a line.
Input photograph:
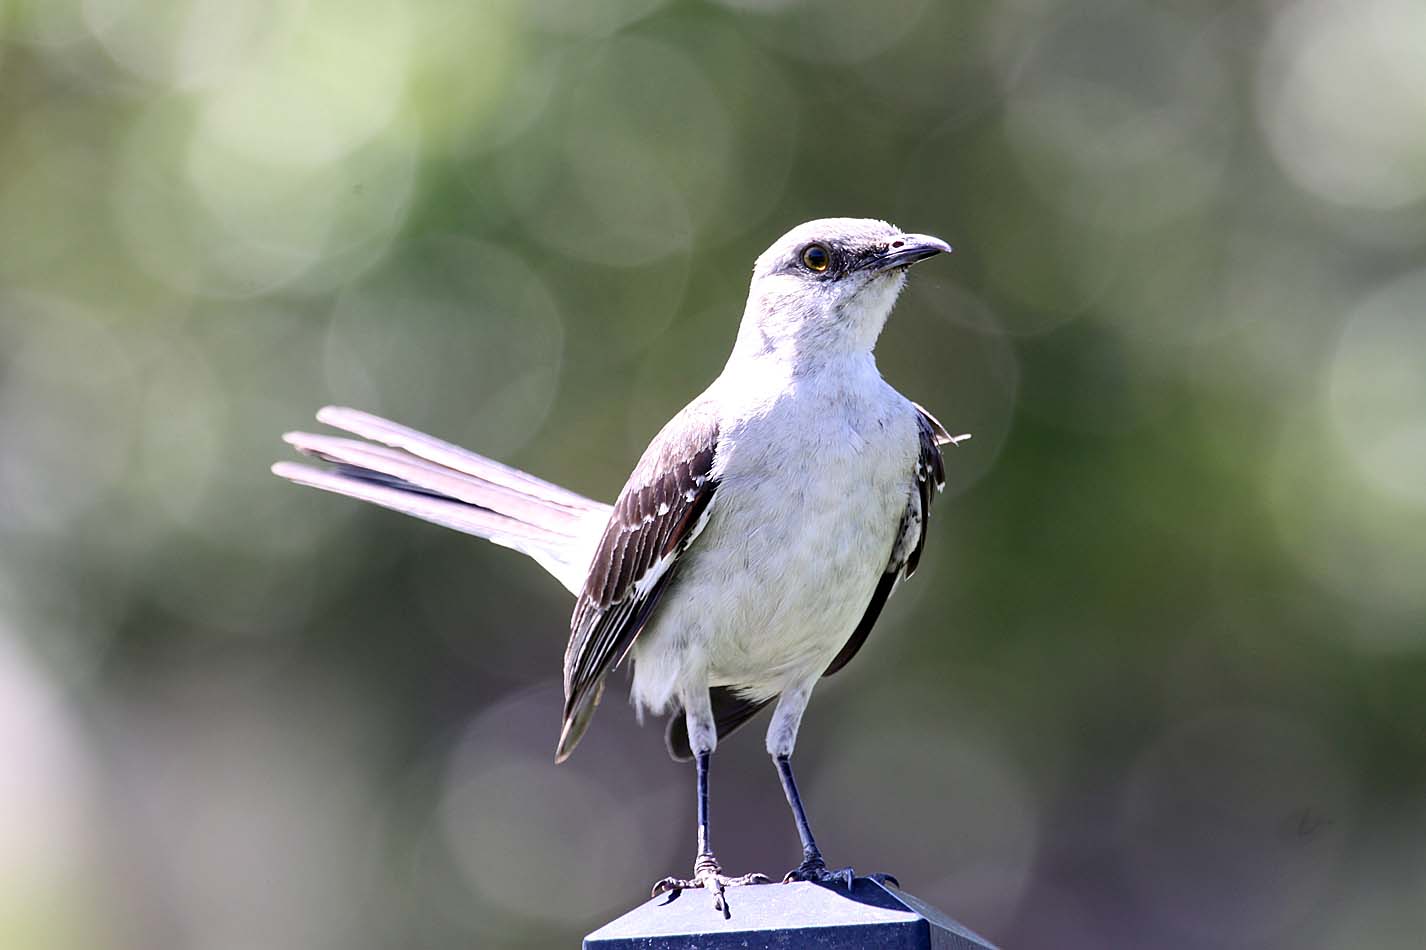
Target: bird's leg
[707,873]
[813,866]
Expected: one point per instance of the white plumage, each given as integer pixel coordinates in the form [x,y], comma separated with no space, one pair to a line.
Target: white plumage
[814,475]
[758,537]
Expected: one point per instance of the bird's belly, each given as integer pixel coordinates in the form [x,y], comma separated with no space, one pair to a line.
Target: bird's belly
[777,583]
[809,586]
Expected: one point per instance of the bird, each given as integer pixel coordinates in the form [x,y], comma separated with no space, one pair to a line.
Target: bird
[758,538]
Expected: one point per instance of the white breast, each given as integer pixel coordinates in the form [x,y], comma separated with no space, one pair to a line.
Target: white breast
[813,482]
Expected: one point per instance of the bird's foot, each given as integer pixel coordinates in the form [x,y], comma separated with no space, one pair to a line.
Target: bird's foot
[814,869]
[709,875]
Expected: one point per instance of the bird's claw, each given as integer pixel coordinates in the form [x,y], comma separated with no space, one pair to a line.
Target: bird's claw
[709,876]
[815,870]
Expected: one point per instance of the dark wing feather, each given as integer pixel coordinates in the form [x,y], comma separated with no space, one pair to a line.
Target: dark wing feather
[910,538]
[729,712]
[658,514]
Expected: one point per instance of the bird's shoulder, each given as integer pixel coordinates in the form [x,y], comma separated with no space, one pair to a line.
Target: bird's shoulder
[658,510]
[690,438]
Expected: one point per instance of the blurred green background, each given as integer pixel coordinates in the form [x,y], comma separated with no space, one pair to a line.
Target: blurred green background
[1161,679]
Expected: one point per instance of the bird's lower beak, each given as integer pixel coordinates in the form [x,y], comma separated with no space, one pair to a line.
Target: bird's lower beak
[909,249]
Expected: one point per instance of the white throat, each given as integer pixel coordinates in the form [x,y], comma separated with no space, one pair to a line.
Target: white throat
[803,332]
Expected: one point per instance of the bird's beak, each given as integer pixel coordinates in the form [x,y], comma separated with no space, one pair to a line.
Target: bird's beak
[909,249]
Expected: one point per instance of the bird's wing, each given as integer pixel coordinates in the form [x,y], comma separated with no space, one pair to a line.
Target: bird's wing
[660,512]
[930,478]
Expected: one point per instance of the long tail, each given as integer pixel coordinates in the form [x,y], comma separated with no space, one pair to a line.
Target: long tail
[422,476]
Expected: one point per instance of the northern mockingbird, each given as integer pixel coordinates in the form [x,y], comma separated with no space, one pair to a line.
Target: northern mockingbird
[755,543]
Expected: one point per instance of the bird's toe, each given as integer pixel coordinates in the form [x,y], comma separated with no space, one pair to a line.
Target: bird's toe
[817,872]
[674,884]
[708,875]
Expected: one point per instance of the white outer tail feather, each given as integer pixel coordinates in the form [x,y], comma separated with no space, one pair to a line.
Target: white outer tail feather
[450,486]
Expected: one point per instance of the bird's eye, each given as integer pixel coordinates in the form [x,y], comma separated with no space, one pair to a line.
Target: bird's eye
[815,258]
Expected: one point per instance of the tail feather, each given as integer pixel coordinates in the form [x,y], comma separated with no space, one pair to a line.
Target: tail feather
[451,456]
[438,479]
[421,476]
[428,507]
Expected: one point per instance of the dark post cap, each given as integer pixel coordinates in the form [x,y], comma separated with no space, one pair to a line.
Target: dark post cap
[788,917]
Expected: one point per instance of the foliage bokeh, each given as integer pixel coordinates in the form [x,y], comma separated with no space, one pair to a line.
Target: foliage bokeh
[1161,678]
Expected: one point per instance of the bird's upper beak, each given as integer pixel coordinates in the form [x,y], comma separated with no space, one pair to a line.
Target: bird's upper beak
[909,249]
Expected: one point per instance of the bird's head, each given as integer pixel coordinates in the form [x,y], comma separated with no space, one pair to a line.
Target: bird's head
[826,287]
